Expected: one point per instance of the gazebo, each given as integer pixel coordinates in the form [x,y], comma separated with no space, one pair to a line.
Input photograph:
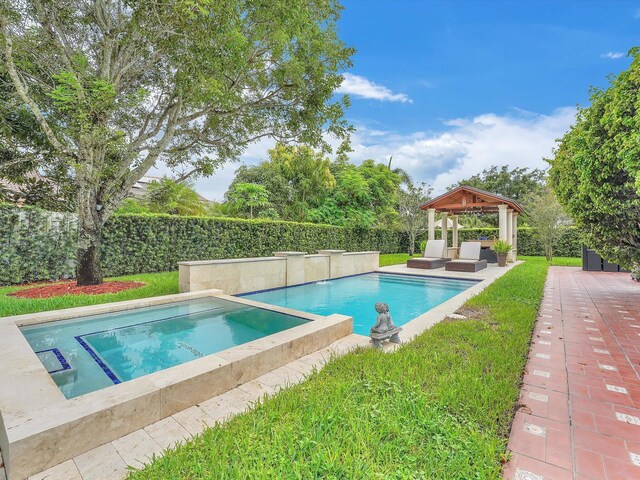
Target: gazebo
[470,200]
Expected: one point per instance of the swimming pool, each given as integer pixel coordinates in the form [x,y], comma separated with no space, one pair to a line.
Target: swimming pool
[90,353]
[408,296]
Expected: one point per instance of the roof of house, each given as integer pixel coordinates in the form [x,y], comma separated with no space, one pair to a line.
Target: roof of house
[466,199]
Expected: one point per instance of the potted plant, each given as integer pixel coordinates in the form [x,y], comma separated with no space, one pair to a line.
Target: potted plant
[502,249]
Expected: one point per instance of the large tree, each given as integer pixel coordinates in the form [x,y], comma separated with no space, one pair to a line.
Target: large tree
[414,221]
[595,170]
[117,86]
[513,183]
[544,213]
[296,177]
[364,195]
[249,196]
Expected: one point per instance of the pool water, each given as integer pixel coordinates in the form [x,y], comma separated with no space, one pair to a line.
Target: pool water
[408,296]
[90,353]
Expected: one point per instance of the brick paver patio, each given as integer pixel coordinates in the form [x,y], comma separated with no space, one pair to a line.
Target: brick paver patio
[580,402]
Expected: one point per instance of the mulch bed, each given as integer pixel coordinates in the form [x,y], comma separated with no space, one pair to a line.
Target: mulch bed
[70,288]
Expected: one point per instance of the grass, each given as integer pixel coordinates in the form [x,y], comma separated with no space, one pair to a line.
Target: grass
[557,261]
[395,258]
[156,284]
[440,407]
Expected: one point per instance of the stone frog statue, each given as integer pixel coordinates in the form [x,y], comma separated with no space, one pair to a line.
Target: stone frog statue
[384,329]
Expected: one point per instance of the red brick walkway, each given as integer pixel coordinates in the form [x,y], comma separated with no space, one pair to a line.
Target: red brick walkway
[580,402]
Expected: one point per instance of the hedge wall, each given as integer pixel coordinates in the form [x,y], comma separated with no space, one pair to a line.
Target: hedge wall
[569,244]
[35,245]
[153,243]
[38,245]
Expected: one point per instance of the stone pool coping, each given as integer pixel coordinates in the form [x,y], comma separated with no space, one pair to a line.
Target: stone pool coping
[40,428]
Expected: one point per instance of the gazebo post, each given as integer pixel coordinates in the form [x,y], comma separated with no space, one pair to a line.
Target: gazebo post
[510,232]
[502,222]
[455,231]
[432,222]
[515,236]
[445,229]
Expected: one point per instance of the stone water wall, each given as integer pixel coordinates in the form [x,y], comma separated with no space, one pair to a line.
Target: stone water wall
[243,275]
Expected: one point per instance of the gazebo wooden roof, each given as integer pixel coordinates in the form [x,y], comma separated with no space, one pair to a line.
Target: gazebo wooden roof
[465,199]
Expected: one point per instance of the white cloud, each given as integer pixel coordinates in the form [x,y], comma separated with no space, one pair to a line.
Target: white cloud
[464,148]
[468,145]
[364,88]
[612,55]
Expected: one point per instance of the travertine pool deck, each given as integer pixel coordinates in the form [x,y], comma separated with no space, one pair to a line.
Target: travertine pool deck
[580,402]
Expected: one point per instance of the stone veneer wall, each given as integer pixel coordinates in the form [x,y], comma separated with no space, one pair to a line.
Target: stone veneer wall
[284,269]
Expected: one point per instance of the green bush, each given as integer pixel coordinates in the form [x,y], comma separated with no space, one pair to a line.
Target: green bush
[33,249]
[35,245]
[569,244]
[155,243]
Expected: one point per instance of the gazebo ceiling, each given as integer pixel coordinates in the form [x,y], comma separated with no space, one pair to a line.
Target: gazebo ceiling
[465,199]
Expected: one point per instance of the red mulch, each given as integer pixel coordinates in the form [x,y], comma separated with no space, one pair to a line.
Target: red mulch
[70,288]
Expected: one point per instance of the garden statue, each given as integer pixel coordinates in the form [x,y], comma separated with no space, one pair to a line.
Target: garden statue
[384,329]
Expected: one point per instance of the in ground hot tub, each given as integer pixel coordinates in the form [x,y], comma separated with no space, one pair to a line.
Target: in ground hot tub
[90,353]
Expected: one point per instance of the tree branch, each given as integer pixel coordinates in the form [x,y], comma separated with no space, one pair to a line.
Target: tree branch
[48,21]
[10,163]
[23,92]
[145,165]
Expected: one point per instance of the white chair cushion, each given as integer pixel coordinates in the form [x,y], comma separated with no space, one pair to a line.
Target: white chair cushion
[434,249]
[469,251]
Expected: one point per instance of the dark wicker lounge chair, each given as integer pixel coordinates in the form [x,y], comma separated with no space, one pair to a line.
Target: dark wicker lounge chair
[432,256]
[469,260]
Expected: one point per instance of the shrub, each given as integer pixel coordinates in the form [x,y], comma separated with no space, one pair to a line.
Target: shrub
[569,244]
[502,247]
[36,245]
[154,243]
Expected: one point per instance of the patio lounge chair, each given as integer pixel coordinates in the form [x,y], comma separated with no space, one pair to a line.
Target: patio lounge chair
[469,259]
[433,256]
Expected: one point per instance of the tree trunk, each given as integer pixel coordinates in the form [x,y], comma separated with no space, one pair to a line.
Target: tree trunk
[88,261]
[548,252]
[412,242]
[88,271]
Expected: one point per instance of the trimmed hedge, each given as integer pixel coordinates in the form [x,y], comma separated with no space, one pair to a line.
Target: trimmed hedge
[35,245]
[154,243]
[569,244]
[36,248]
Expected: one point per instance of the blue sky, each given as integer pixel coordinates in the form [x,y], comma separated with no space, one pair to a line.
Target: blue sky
[450,88]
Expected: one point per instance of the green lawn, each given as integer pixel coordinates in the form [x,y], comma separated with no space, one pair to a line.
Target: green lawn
[440,407]
[557,261]
[395,258]
[156,284]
